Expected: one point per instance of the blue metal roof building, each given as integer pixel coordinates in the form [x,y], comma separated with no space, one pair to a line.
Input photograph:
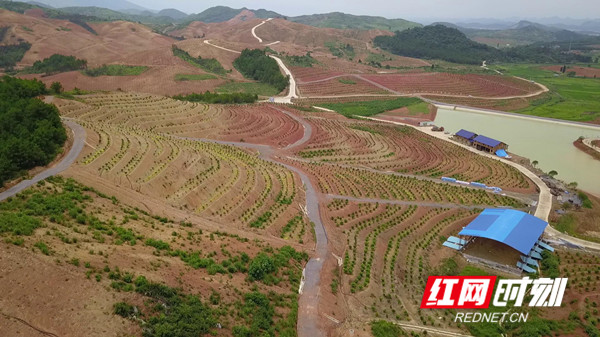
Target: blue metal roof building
[466,134]
[513,228]
[487,141]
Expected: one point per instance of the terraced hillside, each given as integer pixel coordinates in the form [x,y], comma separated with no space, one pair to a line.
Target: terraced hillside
[216,181]
[405,150]
[388,255]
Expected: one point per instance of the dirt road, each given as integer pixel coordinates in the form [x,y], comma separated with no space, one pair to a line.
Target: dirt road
[78,142]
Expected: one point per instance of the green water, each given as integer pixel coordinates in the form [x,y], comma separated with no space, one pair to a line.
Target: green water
[549,143]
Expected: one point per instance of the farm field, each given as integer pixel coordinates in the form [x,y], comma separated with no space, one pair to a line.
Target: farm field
[354,182]
[218,182]
[268,219]
[405,150]
[446,84]
[258,124]
[388,254]
[340,85]
[570,98]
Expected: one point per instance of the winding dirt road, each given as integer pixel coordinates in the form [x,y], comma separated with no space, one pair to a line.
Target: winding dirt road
[79,136]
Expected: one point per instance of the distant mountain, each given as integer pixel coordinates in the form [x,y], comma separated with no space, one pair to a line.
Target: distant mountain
[111,15]
[39,4]
[224,13]
[173,13]
[520,33]
[526,32]
[116,5]
[348,21]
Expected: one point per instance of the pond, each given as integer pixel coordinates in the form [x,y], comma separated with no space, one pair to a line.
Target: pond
[549,142]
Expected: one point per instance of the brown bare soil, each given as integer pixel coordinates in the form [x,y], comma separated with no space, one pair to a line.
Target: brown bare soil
[579,71]
[41,297]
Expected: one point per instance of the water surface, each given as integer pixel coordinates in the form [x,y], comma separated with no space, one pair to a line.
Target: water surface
[550,143]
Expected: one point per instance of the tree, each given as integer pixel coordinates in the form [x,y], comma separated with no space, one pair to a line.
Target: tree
[534,163]
[56,88]
[553,173]
[260,266]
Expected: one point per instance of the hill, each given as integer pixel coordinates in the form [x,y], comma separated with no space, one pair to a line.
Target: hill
[173,13]
[110,4]
[450,44]
[522,33]
[224,13]
[437,42]
[348,21]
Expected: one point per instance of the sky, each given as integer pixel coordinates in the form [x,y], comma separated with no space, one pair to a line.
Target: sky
[458,9]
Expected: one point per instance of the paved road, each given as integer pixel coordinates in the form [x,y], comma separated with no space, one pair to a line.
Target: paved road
[308,313]
[287,99]
[254,28]
[78,143]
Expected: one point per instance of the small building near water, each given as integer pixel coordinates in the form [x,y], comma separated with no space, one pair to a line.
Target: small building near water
[465,136]
[487,144]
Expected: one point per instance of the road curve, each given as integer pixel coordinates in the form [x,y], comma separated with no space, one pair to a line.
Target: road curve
[308,313]
[79,136]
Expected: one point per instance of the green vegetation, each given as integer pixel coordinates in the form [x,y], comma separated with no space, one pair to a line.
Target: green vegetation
[56,64]
[255,64]
[115,70]
[365,129]
[346,81]
[449,44]
[42,247]
[194,77]
[31,133]
[386,329]
[341,50]
[370,108]
[254,88]
[216,98]
[224,13]
[210,65]
[11,54]
[3,31]
[300,61]
[570,98]
[348,21]
[123,309]
[550,264]
[585,200]
[78,19]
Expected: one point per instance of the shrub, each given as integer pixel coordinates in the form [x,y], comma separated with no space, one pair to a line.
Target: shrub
[124,309]
[260,266]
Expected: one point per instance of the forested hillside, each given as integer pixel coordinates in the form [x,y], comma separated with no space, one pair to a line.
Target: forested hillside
[31,133]
[449,44]
[256,65]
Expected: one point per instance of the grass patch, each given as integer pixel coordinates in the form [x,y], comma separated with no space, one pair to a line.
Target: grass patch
[194,77]
[216,98]
[300,61]
[370,108]
[566,224]
[210,65]
[365,129]
[421,108]
[253,88]
[115,70]
[386,329]
[346,81]
[570,98]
